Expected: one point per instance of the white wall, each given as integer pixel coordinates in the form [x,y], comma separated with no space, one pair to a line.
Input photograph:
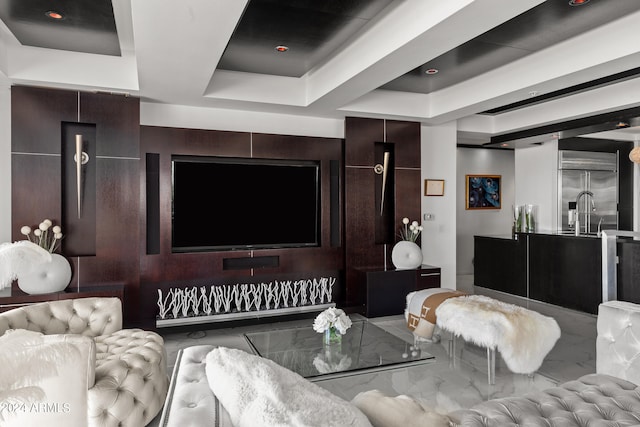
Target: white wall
[181,116]
[473,161]
[438,151]
[537,182]
[5,162]
[636,195]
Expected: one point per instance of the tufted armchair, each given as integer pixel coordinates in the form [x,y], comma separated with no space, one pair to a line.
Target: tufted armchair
[131,379]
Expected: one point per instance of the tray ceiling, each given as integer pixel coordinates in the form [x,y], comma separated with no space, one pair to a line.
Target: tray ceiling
[344,57]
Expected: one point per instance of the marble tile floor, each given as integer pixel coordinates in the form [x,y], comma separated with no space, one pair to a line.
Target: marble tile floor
[446,384]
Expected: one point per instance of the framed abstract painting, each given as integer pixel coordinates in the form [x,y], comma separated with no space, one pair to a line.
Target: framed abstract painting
[483,191]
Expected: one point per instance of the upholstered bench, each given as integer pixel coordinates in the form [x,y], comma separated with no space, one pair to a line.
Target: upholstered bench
[522,336]
[131,378]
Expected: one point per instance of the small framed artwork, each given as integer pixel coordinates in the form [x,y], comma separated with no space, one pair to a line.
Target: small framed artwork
[483,191]
[434,187]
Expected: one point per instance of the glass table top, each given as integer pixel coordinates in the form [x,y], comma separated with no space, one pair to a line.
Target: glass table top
[365,347]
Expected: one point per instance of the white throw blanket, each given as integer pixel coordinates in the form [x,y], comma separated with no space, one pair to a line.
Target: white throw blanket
[258,392]
[19,257]
[523,337]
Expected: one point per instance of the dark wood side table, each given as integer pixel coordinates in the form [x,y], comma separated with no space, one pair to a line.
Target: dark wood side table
[386,290]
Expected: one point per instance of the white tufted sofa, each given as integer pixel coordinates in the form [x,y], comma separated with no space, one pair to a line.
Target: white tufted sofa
[609,398]
[131,379]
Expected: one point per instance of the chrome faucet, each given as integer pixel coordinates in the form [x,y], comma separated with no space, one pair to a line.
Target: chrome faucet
[587,215]
[600,227]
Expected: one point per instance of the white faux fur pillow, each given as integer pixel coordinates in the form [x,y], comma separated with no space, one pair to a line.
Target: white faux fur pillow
[258,392]
[385,411]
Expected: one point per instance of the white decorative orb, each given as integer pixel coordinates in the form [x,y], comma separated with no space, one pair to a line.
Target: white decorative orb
[46,277]
[406,255]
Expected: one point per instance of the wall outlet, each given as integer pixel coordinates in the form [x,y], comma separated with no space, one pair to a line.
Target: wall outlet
[429,217]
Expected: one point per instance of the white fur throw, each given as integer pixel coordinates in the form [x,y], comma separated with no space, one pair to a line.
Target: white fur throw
[19,257]
[399,411]
[258,392]
[523,337]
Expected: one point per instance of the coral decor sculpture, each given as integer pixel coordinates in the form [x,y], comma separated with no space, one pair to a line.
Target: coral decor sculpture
[244,297]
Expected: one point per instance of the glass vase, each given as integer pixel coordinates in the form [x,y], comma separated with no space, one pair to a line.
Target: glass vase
[332,336]
[530,222]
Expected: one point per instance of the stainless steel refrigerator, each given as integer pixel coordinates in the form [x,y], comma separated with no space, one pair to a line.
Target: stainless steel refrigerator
[588,184]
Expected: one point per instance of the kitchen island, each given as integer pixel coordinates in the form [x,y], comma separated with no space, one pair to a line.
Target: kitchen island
[559,269]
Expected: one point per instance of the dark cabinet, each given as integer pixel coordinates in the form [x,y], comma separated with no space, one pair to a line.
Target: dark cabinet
[629,270]
[557,269]
[566,271]
[501,264]
[386,290]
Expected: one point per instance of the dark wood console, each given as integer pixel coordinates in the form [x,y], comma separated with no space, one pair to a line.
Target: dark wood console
[386,290]
[20,299]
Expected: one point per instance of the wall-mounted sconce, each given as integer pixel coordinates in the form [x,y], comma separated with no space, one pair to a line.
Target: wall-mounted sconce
[383,169]
[634,155]
[80,158]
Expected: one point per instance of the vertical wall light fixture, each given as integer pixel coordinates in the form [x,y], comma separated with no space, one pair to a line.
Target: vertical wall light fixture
[385,169]
[80,158]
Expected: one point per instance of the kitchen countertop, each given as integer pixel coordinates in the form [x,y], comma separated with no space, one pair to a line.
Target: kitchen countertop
[549,233]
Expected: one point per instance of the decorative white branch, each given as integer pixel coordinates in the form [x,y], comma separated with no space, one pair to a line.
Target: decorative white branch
[197,301]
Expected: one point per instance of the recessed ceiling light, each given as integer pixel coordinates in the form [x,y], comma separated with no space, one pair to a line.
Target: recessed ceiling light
[622,125]
[54,15]
[504,144]
[431,71]
[578,2]
[533,93]
[281,48]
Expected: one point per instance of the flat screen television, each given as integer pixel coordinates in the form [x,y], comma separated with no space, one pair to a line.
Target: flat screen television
[224,203]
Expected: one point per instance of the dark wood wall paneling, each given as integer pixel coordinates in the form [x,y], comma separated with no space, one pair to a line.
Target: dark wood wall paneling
[166,269]
[37,118]
[361,184]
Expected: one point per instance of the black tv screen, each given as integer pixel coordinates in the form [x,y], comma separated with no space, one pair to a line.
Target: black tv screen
[222,203]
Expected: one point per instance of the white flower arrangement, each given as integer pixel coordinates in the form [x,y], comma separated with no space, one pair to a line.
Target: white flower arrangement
[47,236]
[410,232]
[332,318]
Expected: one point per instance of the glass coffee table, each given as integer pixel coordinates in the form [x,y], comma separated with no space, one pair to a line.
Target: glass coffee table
[364,348]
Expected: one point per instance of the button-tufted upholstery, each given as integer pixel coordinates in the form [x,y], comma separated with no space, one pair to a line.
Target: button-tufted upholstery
[592,401]
[131,379]
[618,340]
[83,316]
[190,402]
[609,398]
